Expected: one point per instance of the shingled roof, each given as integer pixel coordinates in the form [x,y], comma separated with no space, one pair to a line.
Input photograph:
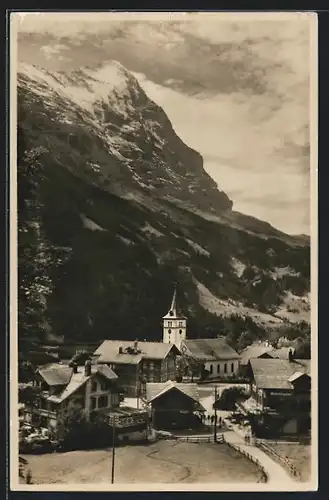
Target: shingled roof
[154,390]
[108,351]
[56,374]
[78,379]
[276,373]
[210,349]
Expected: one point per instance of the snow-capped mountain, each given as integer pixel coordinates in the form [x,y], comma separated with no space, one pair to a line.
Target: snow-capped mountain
[125,141]
[134,210]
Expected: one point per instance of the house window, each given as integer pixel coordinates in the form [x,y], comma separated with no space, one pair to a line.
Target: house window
[169,323]
[169,331]
[180,323]
[103,401]
[103,386]
[225,368]
[232,367]
[43,404]
[210,368]
[94,386]
[93,403]
[180,331]
[218,368]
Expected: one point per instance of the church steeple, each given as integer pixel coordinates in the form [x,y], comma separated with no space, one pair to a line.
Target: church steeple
[174,323]
[173,308]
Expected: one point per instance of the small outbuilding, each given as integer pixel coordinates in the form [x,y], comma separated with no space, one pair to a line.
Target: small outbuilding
[174,405]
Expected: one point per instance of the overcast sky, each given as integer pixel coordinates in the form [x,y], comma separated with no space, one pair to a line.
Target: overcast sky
[236,89]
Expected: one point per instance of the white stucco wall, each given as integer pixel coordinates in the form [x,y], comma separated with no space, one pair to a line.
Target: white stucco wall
[174,331]
[218,368]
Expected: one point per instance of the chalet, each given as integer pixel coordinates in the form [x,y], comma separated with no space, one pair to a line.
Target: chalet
[217,357]
[174,405]
[280,397]
[136,363]
[93,387]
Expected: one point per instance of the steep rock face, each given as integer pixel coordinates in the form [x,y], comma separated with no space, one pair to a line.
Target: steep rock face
[104,127]
[129,209]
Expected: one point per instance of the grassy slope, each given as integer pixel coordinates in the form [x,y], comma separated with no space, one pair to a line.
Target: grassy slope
[162,462]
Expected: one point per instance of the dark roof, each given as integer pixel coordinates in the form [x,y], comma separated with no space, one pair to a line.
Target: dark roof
[210,349]
[56,375]
[275,373]
[108,351]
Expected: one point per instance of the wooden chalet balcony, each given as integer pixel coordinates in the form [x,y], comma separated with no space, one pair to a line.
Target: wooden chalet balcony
[43,412]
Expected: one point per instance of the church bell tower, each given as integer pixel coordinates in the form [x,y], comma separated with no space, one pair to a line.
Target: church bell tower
[174,324]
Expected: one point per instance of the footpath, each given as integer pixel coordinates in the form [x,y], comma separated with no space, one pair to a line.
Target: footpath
[275,472]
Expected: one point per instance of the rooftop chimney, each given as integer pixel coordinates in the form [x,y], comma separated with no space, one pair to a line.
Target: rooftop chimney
[290,355]
[136,345]
[75,367]
[88,368]
[120,350]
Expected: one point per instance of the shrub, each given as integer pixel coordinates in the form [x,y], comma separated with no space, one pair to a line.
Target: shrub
[230,397]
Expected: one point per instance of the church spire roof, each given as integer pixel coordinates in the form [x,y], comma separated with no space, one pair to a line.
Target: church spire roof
[174,311]
[173,307]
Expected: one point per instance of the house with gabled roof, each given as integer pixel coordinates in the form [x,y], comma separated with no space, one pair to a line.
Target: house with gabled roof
[93,387]
[174,405]
[138,362]
[216,355]
[280,396]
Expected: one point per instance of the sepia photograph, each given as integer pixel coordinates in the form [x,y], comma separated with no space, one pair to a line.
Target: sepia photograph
[163,251]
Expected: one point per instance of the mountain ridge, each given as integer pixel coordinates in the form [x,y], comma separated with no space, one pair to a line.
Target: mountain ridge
[117,190]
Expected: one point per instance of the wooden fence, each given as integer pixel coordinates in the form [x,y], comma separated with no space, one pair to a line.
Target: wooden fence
[283,460]
[243,452]
[193,439]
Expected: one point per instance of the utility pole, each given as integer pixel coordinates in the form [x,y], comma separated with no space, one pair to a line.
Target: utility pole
[215,412]
[113,451]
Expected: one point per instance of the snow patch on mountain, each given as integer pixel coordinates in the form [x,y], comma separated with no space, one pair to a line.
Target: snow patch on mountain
[151,230]
[198,248]
[238,266]
[90,224]
[84,87]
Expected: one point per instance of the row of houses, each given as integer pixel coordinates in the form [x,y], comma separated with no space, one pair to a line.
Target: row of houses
[278,402]
[144,370]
